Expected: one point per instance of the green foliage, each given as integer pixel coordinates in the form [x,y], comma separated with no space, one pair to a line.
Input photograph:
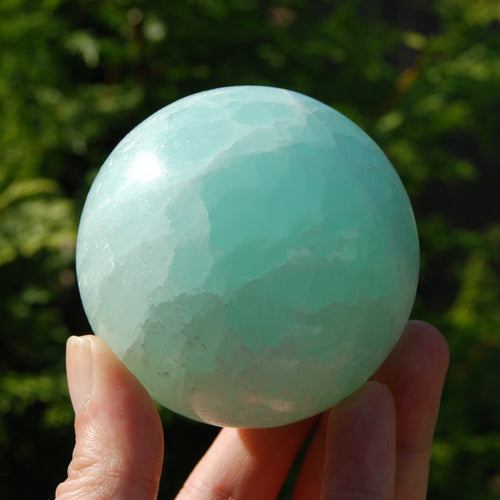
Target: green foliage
[76,75]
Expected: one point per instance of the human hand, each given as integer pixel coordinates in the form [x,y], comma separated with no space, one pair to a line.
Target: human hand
[374,444]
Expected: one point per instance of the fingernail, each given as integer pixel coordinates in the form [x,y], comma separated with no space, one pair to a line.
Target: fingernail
[79,370]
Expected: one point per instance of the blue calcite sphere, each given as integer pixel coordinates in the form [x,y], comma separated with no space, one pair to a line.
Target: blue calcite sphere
[250,254]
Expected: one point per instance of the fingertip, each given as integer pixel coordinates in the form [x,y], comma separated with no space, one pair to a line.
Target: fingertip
[360,450]
[431,340]
[372,393]
[372,405]
[79,370]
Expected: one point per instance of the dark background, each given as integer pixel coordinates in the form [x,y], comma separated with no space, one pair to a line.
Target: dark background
[421,77]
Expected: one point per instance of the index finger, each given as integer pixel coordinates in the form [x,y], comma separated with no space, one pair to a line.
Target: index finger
[246,463]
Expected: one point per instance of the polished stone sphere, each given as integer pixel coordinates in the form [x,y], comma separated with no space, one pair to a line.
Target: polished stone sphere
[250,254]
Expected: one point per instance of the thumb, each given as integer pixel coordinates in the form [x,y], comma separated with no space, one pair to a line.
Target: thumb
[119,438]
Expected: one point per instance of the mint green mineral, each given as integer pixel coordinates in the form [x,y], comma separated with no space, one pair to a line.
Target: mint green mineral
[250,254]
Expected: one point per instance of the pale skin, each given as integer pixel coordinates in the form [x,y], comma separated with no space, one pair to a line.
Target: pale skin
[374,445]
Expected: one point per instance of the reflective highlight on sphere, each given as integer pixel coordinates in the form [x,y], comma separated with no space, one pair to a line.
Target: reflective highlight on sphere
[250,254]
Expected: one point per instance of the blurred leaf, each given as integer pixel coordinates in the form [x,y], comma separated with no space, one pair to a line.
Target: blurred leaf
[76,75]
